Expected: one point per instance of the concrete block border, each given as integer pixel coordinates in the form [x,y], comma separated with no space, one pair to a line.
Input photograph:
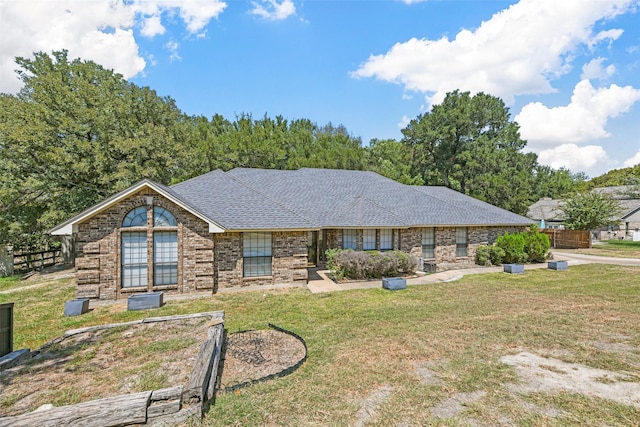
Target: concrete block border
[164,407]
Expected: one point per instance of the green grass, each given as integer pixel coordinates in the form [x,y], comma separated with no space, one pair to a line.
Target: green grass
[361,340]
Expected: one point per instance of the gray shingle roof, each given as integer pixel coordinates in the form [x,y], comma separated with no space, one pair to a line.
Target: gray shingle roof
[245,199]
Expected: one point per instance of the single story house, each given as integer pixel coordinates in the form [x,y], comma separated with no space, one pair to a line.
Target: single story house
[547,213]
[252,227]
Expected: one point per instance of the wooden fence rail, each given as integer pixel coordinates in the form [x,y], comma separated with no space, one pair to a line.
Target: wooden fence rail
[568,239]
[24,262]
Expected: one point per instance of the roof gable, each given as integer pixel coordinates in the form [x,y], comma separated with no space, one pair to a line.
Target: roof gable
[70,226]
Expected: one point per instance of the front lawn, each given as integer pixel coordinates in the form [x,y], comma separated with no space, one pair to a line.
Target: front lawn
[428,355]
[612,248]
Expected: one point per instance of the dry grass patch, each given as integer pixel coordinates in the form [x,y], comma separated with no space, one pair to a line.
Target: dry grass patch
[103,363]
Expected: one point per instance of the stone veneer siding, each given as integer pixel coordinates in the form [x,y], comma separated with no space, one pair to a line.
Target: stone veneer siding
[289,260]
[98,251]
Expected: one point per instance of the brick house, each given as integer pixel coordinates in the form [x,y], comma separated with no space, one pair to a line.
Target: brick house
[252,227]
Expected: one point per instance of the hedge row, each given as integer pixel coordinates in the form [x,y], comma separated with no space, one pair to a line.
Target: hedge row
[350,264]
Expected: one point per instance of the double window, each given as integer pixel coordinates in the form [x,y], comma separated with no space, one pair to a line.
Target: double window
[256,252]
[136,248]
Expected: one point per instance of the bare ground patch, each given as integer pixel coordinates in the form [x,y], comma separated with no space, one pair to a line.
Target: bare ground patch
[254,355]
[541,374]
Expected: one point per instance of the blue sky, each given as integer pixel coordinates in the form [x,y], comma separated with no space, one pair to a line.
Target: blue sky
[568,70]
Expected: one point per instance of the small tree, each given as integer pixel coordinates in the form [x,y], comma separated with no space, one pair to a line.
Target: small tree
[588,211]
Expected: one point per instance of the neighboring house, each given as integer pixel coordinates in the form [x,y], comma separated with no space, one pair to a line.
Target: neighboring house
[546,211]
[252,227]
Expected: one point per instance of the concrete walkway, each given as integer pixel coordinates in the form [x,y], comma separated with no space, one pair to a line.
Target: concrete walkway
[320,282]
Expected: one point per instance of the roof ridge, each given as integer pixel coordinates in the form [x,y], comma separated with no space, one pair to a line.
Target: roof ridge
[268,196]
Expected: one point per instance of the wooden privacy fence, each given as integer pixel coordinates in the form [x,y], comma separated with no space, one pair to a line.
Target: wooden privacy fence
[568,239]
[29,261]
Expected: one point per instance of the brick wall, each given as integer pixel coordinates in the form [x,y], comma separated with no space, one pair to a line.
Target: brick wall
[289,260]
[98,253]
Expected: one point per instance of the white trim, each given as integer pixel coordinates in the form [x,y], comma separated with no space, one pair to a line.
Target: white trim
[71,226]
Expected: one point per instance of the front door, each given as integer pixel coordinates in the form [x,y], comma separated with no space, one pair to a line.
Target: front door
[312,248]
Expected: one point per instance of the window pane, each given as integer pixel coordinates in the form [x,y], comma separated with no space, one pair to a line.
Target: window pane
[461,241]
[134,259]
[256,244]
[165,258]
[257,266]
[163,218]
[136,218]
[257,254]
[349,238]
[428,243]
[386,239]
[368,240]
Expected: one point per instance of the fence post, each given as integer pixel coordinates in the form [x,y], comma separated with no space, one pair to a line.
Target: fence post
[6,261]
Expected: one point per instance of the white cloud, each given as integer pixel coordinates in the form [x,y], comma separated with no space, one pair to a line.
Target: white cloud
[582,120]
[152,27]
[594,69]
[518,51]
[172,47]
[572,157]
[272,10]
[632,161]
[98,30]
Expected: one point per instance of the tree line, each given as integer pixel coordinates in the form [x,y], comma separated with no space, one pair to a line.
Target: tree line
[77,133]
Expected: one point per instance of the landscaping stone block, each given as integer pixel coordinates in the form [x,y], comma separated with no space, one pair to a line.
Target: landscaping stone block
[514,268]
[145,301]
[394,283]
[558,265]
[76,307]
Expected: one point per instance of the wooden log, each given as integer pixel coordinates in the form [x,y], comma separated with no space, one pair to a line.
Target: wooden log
[72,332]
[108,412]
[163,407]
[211,389]
[177,418]
[195,391]
[166,393]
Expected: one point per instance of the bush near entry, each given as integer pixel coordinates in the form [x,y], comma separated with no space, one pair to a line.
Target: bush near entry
[350,264]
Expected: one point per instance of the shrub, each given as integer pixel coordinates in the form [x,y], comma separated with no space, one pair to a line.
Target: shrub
[489,255]
[513,247]
[496,255]
[536,245]
[483,255]
[352,264]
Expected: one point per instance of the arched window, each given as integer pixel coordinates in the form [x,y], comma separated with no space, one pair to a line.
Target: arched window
[136,218]
[137,247]
[163,218]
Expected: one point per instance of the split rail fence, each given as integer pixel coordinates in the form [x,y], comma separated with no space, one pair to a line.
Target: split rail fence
[24,262]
